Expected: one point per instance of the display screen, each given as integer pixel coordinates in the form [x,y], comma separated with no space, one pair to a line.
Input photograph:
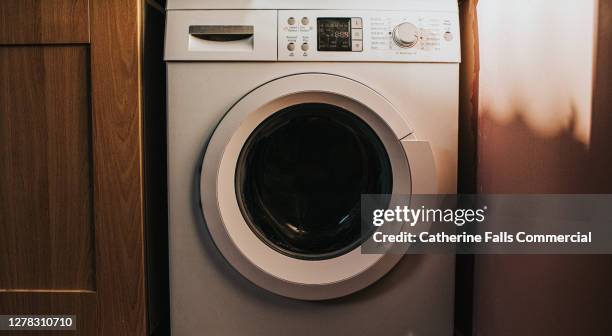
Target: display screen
[334,34]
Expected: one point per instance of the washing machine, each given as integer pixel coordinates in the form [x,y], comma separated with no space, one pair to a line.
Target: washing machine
[281,115]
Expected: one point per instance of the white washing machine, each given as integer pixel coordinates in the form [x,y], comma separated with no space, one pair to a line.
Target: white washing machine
[281,114]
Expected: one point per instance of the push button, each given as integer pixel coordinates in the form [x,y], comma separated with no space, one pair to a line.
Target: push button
[357,34]
[305,21]
[357,46]
[305,46]
[356,23]
[291,46]
[291,21]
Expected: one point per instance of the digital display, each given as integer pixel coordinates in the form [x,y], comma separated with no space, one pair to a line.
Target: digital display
[334,34]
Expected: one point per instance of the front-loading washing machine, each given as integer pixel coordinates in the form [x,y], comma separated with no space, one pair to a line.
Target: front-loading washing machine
[281,115]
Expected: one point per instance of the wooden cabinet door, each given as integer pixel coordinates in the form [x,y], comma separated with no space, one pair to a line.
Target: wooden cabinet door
[46,230]
[71,223]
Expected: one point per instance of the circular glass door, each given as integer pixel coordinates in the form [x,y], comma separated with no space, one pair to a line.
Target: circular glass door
[300,177]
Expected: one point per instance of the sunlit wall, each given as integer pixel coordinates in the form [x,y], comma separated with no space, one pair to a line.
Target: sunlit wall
[533,122]
[536,63]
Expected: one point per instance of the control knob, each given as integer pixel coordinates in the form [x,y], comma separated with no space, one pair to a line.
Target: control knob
[406,35]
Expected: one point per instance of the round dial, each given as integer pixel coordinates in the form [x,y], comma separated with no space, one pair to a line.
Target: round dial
[406,35]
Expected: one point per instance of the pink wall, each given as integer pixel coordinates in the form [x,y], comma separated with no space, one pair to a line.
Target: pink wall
[542,124]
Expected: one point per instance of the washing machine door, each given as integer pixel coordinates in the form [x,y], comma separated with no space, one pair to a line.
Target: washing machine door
[283,175]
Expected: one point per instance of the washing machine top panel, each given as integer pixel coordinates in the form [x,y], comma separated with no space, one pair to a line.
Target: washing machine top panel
[306,35]
[446,5]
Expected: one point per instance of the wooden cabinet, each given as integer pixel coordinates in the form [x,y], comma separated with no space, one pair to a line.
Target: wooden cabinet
[44,21]
[71,193]
[45,170]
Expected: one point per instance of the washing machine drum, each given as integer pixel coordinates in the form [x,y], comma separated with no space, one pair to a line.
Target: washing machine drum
[300,177]
[283,176]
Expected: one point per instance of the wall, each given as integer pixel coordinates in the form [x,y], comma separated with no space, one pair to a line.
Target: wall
[535,94]
[543,125]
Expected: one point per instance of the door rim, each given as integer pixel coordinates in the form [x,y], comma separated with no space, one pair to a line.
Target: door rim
[267,268]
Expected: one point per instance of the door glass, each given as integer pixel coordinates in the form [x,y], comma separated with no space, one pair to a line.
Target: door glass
[300,177]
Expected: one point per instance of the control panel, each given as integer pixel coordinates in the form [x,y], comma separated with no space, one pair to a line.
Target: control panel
[331,35]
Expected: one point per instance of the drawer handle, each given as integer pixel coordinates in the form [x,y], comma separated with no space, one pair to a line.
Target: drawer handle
[221,33]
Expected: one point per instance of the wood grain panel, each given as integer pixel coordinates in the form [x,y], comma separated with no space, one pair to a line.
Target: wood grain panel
[115,65]
[79,303]
[44,21]
[46,230]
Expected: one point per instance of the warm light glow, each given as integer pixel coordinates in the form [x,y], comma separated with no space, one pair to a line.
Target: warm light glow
[537,63]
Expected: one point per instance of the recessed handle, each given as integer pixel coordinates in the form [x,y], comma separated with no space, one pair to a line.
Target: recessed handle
[221,33]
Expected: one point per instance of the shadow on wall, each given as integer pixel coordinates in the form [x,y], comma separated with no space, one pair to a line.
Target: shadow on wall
[542,294]
[515,159]
[548,295]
